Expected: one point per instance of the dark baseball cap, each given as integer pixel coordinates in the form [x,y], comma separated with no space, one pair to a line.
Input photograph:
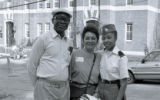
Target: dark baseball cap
[109,28]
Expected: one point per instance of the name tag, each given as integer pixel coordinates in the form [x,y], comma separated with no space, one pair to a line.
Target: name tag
[79,59]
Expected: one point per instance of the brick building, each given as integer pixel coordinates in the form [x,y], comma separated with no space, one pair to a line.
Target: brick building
[137,21]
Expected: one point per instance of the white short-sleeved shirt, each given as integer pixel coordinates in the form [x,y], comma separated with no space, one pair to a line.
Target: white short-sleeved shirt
[112,66]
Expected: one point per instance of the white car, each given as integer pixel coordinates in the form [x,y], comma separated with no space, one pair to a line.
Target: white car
[147,69]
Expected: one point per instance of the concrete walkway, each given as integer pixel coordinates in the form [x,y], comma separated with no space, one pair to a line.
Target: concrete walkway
[14,82]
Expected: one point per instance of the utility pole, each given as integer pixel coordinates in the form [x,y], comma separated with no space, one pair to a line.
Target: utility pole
[59,4]
[74,32]
[99,9]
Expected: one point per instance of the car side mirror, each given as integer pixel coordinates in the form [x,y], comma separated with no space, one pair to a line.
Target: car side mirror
[143,61]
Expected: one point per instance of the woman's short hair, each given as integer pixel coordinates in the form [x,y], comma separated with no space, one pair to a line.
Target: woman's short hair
[90,28]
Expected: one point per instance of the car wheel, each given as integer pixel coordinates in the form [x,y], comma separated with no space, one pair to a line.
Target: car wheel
[131,78]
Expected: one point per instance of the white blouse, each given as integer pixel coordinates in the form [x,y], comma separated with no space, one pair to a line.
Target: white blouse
[112,66]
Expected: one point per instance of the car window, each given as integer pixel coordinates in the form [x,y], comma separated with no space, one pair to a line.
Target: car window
[157,58]
[153,56]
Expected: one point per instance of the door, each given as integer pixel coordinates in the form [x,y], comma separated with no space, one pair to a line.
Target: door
[10,40]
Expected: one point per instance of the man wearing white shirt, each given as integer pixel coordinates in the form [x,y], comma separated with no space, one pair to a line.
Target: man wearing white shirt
[49,60]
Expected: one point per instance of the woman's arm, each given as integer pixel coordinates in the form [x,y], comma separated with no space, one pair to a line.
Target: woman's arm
[123,77]
[122,89]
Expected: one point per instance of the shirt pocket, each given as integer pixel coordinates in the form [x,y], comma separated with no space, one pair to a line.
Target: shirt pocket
[52,49]
[115,66]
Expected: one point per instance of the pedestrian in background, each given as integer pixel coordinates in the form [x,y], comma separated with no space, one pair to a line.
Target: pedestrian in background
[113,67]
[85,65]
[49,60]
[146,51]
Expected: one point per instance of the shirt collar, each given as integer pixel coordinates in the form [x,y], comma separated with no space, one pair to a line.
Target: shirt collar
[115,50]
[55,35]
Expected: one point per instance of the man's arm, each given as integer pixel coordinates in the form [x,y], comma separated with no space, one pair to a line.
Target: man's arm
[33,63]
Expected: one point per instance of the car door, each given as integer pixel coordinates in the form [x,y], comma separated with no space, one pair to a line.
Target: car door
[150,68]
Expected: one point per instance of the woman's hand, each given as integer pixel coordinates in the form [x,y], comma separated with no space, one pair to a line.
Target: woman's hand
[89,97]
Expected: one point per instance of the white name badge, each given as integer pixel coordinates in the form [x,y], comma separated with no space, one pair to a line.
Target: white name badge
[79,59]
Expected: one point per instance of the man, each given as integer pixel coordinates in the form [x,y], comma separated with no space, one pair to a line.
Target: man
[49,60]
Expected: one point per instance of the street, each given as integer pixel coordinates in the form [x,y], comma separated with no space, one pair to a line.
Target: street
[146,90]
[15,84]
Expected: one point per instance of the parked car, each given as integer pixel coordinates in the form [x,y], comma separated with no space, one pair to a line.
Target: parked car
[147,69]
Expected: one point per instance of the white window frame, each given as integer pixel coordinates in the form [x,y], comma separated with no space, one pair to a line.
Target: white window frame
[26,6]
[9,4]
[130,31]
[69,1]
[47,27]
[39,29]
[127,1]
[26,30]
[54,3]
[38,7]
[46,3]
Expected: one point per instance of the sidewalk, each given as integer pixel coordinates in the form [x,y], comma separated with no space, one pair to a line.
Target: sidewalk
[15,83]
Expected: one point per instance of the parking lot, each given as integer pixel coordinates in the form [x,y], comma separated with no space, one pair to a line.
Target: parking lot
[145,90]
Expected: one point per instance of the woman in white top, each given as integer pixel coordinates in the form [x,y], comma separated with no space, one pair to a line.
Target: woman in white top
[113,67]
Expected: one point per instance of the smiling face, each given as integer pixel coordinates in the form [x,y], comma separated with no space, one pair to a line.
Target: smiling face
[109,40]
[61,22]
[90,41]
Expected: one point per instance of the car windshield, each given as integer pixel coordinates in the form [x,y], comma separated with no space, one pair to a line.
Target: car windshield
[153,56]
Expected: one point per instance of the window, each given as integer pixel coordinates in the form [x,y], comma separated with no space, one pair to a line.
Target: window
[39,4]
[56,3]
[129,29]
[153,56]
[129,2]
[48,4]
[9,3]
[92,2]
[1,34]
[71,3]
[26,30]
[27,5]
[47,27]
[39,29]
